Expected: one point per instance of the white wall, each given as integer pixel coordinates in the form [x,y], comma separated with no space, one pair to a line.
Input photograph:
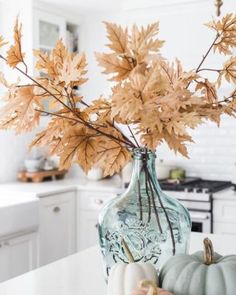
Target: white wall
[181,25]
[14,148]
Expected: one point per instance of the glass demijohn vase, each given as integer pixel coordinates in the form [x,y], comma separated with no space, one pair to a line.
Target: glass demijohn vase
[154,226]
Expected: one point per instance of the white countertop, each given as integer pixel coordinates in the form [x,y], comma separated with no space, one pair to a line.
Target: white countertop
[113,184]
[68,184]
[81,274]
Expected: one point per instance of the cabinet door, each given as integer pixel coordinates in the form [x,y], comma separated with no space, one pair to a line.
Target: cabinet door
[90,205]
[57,227]
[224,228]
[88,229]
[18,255]
[22,253]
[4,265]
[48,29]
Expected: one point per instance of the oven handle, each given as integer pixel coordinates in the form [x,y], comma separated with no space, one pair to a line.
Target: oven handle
[201,216]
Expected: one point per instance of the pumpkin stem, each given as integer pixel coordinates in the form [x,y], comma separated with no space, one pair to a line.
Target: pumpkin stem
[151,285]
[208,252]
[128,253]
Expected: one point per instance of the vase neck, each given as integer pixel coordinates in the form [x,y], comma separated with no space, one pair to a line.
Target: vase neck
[144,168]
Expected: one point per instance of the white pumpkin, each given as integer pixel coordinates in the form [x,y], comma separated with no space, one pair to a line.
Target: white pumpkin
[124,278]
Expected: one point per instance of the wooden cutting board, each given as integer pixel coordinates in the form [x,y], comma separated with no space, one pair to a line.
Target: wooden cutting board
[41,176]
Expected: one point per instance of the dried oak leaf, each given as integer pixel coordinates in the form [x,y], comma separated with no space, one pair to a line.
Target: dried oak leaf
[226,33]
[126,104]
[51,137]
[14,54]
[150,84]
[229,70]
[59,53]
[20,112]
[112,156]
[141,41]
[177,142]
[99,110]
[118,38]
[80,146]
[113,64]
[73,70]
[208,89]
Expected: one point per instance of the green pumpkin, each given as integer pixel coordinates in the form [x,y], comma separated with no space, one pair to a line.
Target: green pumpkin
[202,273]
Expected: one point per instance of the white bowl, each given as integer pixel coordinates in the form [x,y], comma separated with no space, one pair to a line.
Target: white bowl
[95,174]
[33,165]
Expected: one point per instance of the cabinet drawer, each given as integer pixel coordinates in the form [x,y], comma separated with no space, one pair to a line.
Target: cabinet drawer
[57,198]
[224,211]
[94,200]
[224,228]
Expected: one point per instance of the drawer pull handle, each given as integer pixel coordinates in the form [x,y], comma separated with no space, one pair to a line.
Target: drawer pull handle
[98,201]
[57,209]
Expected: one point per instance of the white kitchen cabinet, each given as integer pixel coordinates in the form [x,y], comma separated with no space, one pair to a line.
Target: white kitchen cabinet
[57,231]
[224,212]
[18,255]
[89,206]
[48,29]
[88,229]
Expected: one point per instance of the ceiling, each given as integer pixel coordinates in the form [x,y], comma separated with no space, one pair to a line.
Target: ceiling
[111,5]
[86,5]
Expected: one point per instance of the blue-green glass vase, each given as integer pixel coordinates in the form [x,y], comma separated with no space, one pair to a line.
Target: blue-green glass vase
[154,225]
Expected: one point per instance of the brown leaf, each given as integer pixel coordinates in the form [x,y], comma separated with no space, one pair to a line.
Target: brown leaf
[143,40]
[229,70]
[118,37]
[101,109]
[121,67]
[226,31]
[79,145]
[14,54]
[20,112]
[59,53]
[208,89]
[177,143]
[126,104]
[73,70]
[112,156]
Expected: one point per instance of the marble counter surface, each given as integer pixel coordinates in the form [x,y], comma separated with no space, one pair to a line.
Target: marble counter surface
[81,273]
[68,184]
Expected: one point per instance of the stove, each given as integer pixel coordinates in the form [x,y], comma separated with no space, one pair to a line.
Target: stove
[196,185]
[197,195]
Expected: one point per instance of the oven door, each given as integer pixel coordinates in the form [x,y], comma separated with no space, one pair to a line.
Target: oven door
[201,221]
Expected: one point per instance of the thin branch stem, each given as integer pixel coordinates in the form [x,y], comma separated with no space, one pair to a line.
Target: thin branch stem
[38,84]
[209,70]
[147,192]
[147,178]
[132,135]
[140,201]
[207,53]
[165,212]
[82,121]
[58,115]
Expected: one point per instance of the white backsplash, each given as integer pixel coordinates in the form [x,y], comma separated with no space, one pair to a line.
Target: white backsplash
[212,156]
[13,150]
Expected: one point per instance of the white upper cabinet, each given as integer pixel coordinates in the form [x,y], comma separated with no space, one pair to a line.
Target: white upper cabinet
[48,29]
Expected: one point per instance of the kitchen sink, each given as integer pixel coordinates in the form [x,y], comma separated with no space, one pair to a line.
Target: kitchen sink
[18,212]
